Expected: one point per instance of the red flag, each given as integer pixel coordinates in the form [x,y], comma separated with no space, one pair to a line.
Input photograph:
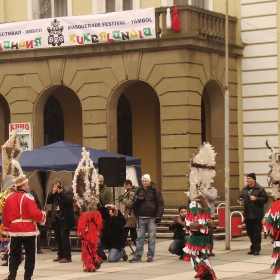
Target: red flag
[176,21]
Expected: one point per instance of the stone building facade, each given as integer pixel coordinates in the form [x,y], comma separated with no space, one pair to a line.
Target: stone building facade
[156,99]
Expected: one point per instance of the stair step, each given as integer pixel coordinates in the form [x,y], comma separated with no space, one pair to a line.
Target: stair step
[172,212]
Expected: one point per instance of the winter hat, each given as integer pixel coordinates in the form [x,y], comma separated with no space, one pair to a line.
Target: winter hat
[146,177]
[252,175]
[7,182]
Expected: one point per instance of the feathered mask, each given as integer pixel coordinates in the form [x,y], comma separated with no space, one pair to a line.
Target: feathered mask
[85,187]
[274,172]
[201,171]
[10,155]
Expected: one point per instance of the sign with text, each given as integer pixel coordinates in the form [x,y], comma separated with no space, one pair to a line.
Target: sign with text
[78,30]
[24,131]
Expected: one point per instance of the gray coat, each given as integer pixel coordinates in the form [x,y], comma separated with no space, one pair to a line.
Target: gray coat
[131,219]
[211,196]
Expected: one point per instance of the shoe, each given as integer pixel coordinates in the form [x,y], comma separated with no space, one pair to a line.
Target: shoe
[125,256]
[250,253]
[104,258]
[57,259]
[133,260]
[212,254]
[256,253]
[98,264]
[40,251]
[65,260]
[5,263]
[150,260]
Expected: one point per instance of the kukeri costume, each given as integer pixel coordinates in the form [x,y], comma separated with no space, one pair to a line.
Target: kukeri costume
[271,221]
[20,214]
[200,177]
[86,198]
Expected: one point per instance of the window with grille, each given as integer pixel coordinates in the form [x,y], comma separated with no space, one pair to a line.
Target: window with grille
[198,3]
[60,8]
[52,8]
[110,6]
[127,5]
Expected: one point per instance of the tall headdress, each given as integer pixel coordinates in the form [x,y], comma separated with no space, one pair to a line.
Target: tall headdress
[274,172]
[10,155]
[201,171]
[85,187]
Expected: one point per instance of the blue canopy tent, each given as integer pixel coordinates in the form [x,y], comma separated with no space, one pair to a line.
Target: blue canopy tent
[65,156]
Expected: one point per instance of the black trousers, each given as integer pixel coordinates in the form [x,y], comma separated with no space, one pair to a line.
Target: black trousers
[133,234]
[254,231]
[29,243]
[62,240]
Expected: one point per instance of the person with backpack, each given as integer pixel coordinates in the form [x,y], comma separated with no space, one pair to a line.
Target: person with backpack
[149,206]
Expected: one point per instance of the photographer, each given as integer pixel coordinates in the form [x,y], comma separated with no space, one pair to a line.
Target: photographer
[112,233]
[180,235]
[148,206]
[130,217]
[63,219]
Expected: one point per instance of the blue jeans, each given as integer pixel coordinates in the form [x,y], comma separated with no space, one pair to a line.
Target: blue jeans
[176,247]
[114,255]
[146,225]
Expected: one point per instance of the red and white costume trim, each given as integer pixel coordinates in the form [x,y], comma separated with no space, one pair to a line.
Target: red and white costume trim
[21,214]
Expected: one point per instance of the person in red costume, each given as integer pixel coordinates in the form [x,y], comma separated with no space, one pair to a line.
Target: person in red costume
[19,218]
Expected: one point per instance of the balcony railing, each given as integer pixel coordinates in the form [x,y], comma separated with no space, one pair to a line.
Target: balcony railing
[196,22]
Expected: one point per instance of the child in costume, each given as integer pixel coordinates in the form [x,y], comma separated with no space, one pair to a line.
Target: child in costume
[86,197]
[198,245]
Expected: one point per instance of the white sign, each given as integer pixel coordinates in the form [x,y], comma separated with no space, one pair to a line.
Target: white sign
[78,30]
[24,131]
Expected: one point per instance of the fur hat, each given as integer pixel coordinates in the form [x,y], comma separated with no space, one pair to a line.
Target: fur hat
[252,175]
[7,182]
[20,180]
[146,177]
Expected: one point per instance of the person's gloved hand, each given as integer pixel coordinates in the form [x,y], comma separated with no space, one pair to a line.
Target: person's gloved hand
[157,220]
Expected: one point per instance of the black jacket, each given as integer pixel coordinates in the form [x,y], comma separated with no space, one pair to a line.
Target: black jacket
[112,232]
[148,203]
[179,231]
[65,214]
[254,209]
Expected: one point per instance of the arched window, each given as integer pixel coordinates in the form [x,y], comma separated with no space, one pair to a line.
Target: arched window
[53,121]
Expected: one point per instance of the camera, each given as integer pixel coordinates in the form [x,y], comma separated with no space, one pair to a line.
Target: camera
[182,218]
[59,187]
[112,209]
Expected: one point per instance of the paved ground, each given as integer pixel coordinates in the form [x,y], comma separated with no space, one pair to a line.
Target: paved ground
[230,264]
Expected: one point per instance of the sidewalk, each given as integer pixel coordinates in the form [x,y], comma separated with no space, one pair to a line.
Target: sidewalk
[228,264]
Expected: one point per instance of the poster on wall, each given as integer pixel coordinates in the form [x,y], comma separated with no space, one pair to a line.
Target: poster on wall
[24,131]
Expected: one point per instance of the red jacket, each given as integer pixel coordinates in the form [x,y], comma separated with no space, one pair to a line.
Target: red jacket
[16,224]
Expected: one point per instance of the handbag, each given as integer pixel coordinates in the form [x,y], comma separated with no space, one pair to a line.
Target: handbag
[211,224]
[194,227]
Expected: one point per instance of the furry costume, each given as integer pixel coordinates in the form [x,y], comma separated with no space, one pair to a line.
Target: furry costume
[86,197]
[200,177]
[271,221]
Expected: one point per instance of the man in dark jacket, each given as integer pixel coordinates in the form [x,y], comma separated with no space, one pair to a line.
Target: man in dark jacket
[112,233]
[149,208]
[180,235]
[253,197]
[63,219]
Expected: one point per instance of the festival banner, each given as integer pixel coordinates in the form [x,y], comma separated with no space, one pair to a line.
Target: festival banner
[78,30]
[24,131]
